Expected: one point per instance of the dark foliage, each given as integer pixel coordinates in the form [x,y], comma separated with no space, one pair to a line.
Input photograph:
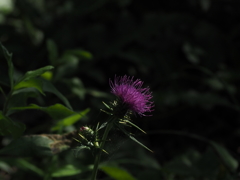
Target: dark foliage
[186,51]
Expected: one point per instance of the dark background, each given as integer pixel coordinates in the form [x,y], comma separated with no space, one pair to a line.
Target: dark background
[186,51]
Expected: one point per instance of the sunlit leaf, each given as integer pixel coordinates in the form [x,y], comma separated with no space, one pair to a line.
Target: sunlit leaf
[31,74]
[80,53]
[117,173]
[47,75]
[70,120]
[33,82]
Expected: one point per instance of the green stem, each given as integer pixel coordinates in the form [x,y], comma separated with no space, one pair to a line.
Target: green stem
[5,107]
[99,153]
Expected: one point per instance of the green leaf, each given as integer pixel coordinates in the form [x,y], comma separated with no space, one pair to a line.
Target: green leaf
[67,170]
[225,156]
[33,82]
[36,145]
[4,166]
[8,57]
[57,111]
[24,164]
[68,67]
[48,87]
[9,127]
[117,173]
[52,51]
[66,116]
[21,163]
[70,120]
[35,73]
[80,53]
[19,98]
[48,75]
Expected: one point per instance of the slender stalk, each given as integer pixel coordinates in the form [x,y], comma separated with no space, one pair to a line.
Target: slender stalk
[98,155]
[5,106]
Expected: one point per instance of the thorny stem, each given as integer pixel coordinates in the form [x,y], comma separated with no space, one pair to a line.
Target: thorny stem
[99,153]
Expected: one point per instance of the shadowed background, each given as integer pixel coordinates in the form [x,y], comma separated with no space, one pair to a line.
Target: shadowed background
[186,51]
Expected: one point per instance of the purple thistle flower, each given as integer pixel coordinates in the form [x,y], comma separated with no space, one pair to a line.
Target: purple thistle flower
[131,95]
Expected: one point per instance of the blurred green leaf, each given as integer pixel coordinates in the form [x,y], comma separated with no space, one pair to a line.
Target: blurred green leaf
[52,51]
[68,67]
[47,75]
[4,166]
[33,82]
[76,86]
[6,6]
[24,164]
[9,127]
[225,156]
[48,87]
[67,170]
[183,164]
[8,57]
[80,53]
[57,111]
[35,34]
[70,120]
[31,74]
[117,173]
[193,164]
[36,145]
[20,97]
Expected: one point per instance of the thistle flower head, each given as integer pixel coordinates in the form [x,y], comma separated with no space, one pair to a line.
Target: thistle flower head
[131,96]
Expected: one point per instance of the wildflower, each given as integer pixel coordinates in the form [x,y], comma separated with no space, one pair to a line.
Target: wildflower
[131,97]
